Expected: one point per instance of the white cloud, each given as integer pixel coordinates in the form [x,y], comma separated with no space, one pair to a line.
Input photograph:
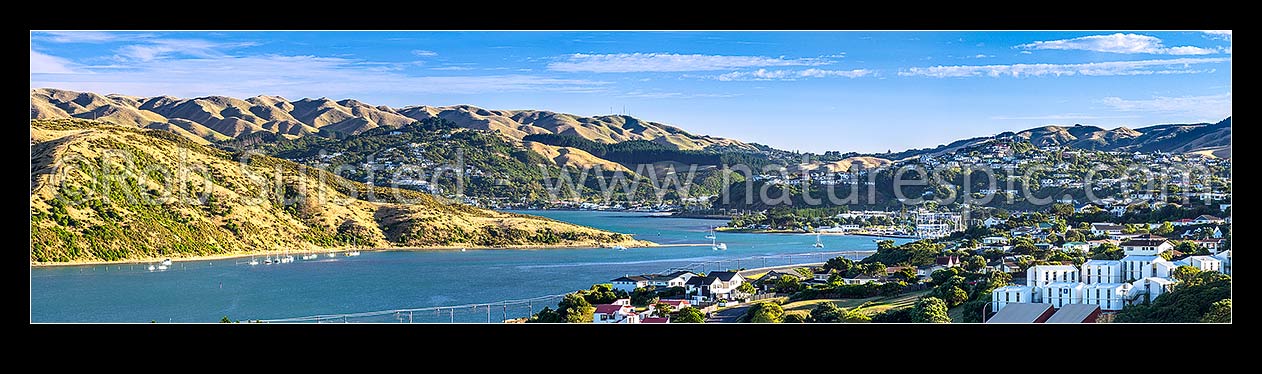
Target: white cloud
[1118,43]
[670,62]
[424,53]
[161,48]
[764,74]
[1141,67]
[47,64]
[453,68]
[980,55]
[1207,108]
[290,76]
[674,95]
[85,36]
[1219,34]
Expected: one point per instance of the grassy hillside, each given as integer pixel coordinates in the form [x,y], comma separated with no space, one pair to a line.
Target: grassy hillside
[102,192]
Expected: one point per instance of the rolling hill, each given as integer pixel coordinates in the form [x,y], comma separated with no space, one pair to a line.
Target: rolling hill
[106,192]
[215,117]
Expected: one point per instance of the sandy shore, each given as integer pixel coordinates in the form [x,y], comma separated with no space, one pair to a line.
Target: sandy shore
[226,256]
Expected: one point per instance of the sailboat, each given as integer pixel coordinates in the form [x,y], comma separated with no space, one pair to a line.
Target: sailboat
[151,267]
[253,261]
[711,234]
[818,243]
[717,246]
[166,262]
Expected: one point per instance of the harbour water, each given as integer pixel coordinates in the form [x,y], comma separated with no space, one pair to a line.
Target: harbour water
[205,291]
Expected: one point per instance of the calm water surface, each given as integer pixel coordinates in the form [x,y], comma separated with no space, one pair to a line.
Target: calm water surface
[205,291]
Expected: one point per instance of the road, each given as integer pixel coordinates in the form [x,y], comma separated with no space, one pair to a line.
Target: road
[728,315]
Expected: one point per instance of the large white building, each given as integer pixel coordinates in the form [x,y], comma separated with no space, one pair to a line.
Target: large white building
[1060,294]
[1146,245]
[1042,275]
[1136,267]
[1108,296]
[1001,296]
[1205,263]
[1151,286]
[1225,257]
[1102,271]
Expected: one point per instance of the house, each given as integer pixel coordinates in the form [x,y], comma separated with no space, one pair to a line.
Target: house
[615,313]
[997,265]
[768,281]
[1163,268]
[1149,245]
[714,286]
[1205,263]
[1002,296]
[1102,271]
[821,275]
[863,279]
[1182,222]
[1206,219]
[1225,257]
[1060,294]
[1076,247]
[1108,296]
[947,261]
[1076,313]
[995,240]
[1023,313]
[1043,246]
[992,222]
[1042,275]
[630,283]
[1209,244]
[1044,226]
[1150,287]
[1086,208]
[675,304]
[1106,229]
[1139,266]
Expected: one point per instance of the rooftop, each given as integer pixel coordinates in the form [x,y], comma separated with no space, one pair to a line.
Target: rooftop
[1020,313]
[609,308]
[1073,313]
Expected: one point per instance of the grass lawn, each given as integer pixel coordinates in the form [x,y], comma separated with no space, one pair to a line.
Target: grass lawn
[879,303]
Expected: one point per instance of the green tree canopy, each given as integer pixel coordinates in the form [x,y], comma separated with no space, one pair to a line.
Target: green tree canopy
[930,310]
[1219,312]
[688,315]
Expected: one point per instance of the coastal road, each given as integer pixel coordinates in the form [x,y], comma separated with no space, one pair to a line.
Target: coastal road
[728,315]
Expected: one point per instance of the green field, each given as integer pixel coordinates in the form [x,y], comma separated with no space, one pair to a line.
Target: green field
[878,304]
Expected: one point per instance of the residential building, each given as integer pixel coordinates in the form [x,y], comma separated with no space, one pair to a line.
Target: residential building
[1042,275]
[1146,246]
[863,279]
[1076,247]
[1225,257]
[995,240]
[1150,287]
[947,261]
[1140,266]
[1108,296]
[1102,271]
[631,282]
[1106,229]
[615,313]
[992,222]
[714,286]
[1209,244]
[1002,296]
[1206,219]
[1060,294]
[1205,263]
[675,304]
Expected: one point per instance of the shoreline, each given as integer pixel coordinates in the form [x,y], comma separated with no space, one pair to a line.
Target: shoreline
[634,243]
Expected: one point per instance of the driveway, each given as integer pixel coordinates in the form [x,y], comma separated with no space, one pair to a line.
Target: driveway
[728,315]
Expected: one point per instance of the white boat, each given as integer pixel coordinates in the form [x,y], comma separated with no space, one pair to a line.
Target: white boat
[287,259]
[310,257]
[352,253]
[462,249]
[162,267]
[166,262]
[818,244]
[620,248]
[152,268]
[720,247]
[711,234]
[332,255]
[253,261]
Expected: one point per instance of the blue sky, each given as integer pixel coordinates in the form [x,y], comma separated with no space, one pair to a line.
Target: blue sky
[810,91]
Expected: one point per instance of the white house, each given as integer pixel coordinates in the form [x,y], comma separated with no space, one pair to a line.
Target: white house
[995,240]
[1163,269]
[1108,296]
[1139,266]
[1225,257]
[1106,229]
[1042,275]
[1001,296]
[1102,271]
[630,283]
[615,313]
[992,222]
[1151,286]
[862,279]
[1076,247]
[1146,246]
[1205,263]
[1060,294]
[1211,244]
[1206,219]
[714,286]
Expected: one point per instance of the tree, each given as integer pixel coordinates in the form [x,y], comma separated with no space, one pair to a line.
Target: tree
[826,312]
[766,313]
[900,315]
[907,274]
[794,318]
[954,296]
[1219,312]
[854,316]
[1165,229]
[644,296]
[974,263]
[840,264]
[1107,251]
[788,285]
[688,315]
[602,294]
[892,288]
[575,309]
[1186,274]
[661,309]
[225,320]
[748,288]
[930,310]
[1187,303]
[1190,247]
